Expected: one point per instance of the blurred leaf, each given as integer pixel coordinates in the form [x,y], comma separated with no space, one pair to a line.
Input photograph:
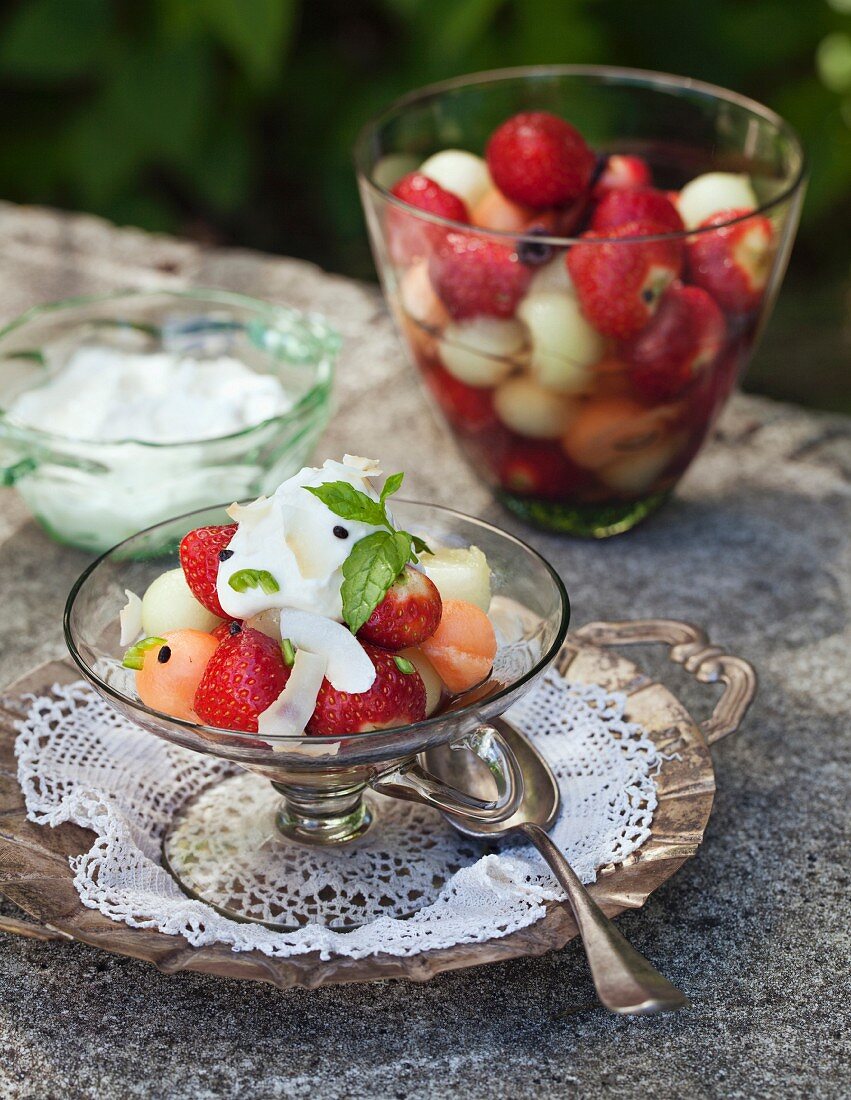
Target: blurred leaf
[458,26]
[256,32]
[45,41]
[222,171]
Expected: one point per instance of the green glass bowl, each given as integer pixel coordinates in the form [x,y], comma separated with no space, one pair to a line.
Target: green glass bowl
[93,494]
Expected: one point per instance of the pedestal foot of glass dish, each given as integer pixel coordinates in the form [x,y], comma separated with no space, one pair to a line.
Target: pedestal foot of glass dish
[594,521]
[241,847]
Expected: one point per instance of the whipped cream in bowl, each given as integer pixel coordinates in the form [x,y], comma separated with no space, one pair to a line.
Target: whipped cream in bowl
[118,412]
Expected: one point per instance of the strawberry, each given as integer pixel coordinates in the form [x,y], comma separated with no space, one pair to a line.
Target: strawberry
[245,675]
[395,699]
[619,284]
[199,557]
[636,204]
[468,408]
[409,236]
[622,173]
[475,275]
[408,614]
[734,262]
[539,160]
[539,470]
[227,629]
[681,341]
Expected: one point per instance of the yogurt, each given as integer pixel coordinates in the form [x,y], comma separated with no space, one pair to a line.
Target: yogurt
[107,395]
[298,540]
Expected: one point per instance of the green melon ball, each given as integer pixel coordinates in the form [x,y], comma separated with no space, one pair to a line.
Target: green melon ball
[169,604]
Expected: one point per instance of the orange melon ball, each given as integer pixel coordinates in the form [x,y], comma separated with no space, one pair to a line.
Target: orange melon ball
[463,647]
[495,211]
[609,428]
[170,684]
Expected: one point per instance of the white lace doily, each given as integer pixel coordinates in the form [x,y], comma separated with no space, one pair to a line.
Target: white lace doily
[81,761]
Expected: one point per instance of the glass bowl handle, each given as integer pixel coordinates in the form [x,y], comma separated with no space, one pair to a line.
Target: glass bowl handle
[410,780]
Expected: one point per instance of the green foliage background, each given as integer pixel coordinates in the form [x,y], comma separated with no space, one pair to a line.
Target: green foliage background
[232,120]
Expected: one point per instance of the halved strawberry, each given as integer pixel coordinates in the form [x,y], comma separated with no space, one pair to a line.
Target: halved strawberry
[409,236]
[245,675]
[635,204]
[396,698]
[199,557]
[619,283]
[621,173]
[408,614]
[227,629]
[540,469]
[468,408]
[733,262]
[474,275]
[681,341]
[537,159]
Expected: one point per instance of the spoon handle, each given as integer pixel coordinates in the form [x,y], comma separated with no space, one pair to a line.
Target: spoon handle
[625,981]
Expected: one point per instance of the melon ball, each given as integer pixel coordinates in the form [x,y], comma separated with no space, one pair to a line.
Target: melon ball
[459,573]
[495,211]
[168,604]
[608,429]
[171,672]
[422,314]
[463,647]
[564,345]
[530,410]
[635,473]
[432,682]
[479,352]
[715,191]
[552,278]
[462,173]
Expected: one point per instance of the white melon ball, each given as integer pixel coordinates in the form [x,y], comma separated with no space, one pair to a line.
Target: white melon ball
[715,191]
[480,351]
[169,604]
[564,345]
[552,278]
[635,473]
[432,682]
[462,173]
[459,573]
[530,410]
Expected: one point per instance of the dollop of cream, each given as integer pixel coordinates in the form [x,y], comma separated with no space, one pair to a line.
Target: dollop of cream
[291,535]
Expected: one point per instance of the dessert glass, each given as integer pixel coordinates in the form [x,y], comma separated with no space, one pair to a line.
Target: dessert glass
[94,494]
[324,783]
[566,442]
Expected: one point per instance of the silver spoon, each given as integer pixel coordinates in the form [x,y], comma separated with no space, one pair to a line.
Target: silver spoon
[625,981]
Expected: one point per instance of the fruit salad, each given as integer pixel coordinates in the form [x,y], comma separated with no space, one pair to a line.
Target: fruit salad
[587,375]
[312,613]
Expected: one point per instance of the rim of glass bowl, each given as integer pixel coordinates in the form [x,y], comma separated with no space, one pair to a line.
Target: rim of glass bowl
[665,82]
[280,739]
[316,327]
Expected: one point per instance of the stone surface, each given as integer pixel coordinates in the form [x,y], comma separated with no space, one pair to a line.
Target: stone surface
[755,547]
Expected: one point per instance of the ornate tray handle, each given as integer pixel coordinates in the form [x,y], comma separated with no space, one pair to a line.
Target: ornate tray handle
[689,647]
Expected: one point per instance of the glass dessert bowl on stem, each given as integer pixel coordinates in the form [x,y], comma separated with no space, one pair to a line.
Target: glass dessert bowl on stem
[580,260]
[216,849]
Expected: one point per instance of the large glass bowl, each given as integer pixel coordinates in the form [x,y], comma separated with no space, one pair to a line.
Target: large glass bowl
[323,782]
[94,494]
[554,421]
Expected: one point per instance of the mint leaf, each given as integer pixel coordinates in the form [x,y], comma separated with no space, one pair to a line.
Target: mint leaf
[419,546]
[404,665]
[391,486]
[369,570]
[243,579]
[346,501]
